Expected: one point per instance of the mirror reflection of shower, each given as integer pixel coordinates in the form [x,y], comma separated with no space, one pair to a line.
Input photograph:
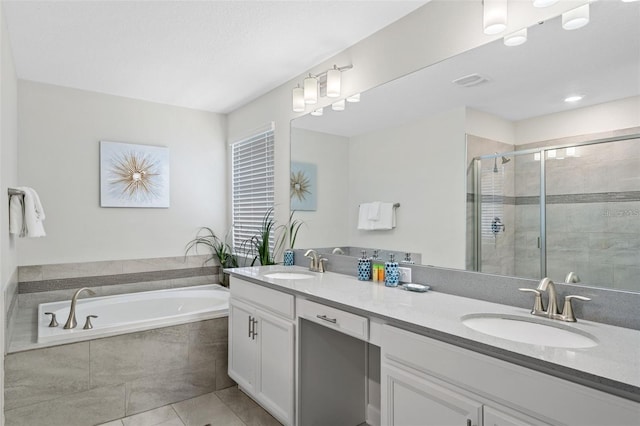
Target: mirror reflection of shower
[504,160]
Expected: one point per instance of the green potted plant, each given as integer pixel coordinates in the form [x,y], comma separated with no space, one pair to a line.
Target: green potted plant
[219,249]
[259,244]
[287,239]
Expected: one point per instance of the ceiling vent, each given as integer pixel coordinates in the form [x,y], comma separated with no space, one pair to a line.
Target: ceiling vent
[470,80]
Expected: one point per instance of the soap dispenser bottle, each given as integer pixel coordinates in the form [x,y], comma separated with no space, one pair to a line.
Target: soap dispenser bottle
[364,267]
[391,272]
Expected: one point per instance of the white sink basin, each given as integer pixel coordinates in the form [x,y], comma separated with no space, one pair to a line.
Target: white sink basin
[529,330]
[288,276]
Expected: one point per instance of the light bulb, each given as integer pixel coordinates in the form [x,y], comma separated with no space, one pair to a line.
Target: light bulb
[338,106]
[354,98]
[515,39]
[576,18]
[310,90]
[494,16]
[298,99]
[333,82]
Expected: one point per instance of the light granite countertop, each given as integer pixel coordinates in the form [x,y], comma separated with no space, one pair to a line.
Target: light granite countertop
[612,366]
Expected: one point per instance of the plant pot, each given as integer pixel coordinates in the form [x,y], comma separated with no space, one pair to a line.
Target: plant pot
[223,278]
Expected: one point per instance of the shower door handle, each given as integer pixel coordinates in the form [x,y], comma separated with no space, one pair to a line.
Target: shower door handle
[250,324]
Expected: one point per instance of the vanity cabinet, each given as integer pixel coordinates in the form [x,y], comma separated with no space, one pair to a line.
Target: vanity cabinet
[413,399]
[261,346]
[428,382]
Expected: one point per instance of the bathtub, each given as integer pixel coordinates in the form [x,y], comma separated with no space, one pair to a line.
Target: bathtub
[131,312]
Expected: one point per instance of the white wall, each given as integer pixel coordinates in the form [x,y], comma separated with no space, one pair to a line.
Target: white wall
[330,153]
[606,117]
[489,126]
[439,30]
[421,166]
[59,134]
[8,177]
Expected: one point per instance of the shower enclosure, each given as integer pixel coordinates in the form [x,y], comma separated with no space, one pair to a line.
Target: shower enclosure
[553,210]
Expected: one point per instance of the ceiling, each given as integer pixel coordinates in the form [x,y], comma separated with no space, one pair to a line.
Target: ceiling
[600,61]
[208,55]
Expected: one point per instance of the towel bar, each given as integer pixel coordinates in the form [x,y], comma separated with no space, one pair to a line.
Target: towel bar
[13,191]
[396,205]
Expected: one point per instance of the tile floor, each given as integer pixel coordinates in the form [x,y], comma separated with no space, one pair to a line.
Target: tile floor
[226,407]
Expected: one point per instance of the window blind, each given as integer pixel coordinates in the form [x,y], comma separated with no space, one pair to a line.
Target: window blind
[252,185]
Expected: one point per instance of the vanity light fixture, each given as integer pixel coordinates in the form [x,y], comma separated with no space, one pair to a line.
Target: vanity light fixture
[516,38]
[354,98]
[576,18]
[544,3]
[338,106]
[573,98]
[298,99]
[317,112]
[494,16]
[318,85]
[311,89]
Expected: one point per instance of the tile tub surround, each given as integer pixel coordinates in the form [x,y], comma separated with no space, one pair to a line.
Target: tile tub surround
[106,379]
[42,278]
[612,366]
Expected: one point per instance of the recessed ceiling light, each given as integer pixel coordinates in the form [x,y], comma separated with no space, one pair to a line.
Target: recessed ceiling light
[574,98]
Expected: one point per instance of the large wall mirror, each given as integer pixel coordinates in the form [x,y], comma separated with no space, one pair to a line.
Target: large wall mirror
[467,146]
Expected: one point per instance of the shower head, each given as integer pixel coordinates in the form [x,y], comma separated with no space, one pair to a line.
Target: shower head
[504,159]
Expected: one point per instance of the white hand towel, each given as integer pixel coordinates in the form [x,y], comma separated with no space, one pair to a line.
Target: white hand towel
[373,210]
[386,220]
[16,215]
[33,213]
[387,217]
[363,218]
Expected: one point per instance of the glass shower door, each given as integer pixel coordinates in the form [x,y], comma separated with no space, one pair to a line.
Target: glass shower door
[507,215]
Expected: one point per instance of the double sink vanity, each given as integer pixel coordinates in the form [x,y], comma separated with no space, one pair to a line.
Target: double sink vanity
[327,349]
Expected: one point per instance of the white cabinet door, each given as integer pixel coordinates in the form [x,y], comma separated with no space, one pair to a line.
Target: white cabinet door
[411,400]
[242,345]
[274,380]
[499,417]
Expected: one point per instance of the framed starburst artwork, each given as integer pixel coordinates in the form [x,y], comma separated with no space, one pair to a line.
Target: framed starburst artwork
[133,175]
[303,186]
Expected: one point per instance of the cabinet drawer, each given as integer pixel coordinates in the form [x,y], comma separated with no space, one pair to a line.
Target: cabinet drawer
[344,322]
[271,300]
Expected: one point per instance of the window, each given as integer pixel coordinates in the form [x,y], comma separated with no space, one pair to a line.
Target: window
[252,184]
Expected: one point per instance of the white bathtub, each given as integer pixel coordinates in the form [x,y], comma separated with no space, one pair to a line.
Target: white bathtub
[126,313]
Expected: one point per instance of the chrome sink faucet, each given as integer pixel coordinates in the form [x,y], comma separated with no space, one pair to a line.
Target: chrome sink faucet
[552,311]
[71,321]
[317,263]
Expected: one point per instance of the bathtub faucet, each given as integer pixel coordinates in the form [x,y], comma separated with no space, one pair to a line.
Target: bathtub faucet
[71,321]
